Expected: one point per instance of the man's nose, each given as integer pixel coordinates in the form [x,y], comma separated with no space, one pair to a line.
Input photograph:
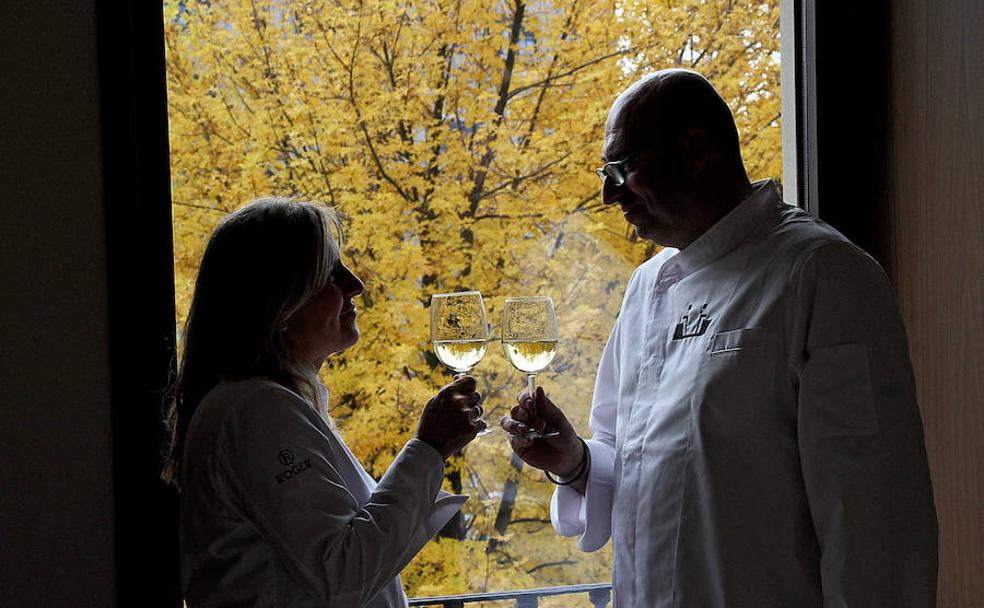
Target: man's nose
[610,193]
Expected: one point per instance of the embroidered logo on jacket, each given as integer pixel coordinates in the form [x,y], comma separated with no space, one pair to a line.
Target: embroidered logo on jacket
[691,325]
[287,458]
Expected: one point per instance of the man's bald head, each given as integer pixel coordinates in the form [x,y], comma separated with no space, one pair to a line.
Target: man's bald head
[661,107]
[674,141]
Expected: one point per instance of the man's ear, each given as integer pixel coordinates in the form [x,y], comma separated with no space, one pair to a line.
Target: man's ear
[695,151]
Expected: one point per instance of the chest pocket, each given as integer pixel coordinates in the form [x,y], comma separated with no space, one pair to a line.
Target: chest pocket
[737,380]
[751,341]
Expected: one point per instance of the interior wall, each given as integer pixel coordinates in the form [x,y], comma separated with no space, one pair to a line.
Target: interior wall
[936,260]
[55,431]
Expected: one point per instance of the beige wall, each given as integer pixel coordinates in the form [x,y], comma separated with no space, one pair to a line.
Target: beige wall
[936,259]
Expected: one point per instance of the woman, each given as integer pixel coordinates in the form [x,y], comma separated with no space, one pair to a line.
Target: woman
[275,510]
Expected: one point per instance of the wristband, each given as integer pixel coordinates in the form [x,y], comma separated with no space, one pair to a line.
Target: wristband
[581,469]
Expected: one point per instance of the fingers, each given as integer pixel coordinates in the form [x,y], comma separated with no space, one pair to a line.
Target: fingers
[520,444]
[517,434]
[463,383]
[462,387]
[460,393]
[461,399]
[453,417]
[527,413]
[524,412]
[550,413]
[513,426]
[517,431]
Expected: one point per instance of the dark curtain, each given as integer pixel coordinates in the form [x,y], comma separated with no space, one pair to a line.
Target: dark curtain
[141,295]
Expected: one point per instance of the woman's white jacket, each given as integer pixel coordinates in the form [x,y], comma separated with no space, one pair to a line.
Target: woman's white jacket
[277,512]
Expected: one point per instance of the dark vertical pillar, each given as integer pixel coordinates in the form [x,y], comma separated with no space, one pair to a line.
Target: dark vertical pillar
[852,97]
[141,295]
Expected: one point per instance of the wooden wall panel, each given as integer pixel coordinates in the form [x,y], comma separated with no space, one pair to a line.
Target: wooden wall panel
[936,260]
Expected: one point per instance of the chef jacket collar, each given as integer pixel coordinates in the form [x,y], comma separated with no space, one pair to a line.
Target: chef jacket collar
[760,211]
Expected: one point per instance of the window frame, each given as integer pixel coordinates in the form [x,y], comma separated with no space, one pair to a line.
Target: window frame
[139,235]
[799,114]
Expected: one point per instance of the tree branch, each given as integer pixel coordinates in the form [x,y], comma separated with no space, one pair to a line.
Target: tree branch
[379,164]
[575,69]
[202,207]
[563,562]
[500,107]
[530,520]
[498,216]
[515,181]
[583,204]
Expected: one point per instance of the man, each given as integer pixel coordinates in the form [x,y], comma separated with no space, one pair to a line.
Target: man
[755,434]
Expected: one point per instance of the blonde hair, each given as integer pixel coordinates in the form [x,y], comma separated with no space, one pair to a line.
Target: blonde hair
[262,263]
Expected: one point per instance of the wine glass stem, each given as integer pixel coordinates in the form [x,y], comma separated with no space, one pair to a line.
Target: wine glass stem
[531,384]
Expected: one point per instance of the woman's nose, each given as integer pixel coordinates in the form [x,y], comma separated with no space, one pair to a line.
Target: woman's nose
[354,285]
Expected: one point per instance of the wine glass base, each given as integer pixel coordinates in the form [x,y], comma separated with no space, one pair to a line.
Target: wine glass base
[535,435]
[486,431]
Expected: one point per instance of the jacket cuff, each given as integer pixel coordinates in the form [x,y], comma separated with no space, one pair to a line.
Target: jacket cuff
[590,515]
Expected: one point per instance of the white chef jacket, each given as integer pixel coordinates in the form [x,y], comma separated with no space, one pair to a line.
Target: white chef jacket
[756,439]
[277,512]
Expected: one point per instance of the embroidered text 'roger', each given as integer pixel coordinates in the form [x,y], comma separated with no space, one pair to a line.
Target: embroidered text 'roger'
[286,457]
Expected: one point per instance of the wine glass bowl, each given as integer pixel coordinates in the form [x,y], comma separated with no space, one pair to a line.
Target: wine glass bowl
[459,329]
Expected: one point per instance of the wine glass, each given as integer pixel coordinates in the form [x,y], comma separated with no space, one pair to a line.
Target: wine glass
[529,340]
[459,331]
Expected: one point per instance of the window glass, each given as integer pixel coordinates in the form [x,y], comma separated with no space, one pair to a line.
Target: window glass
[460,138]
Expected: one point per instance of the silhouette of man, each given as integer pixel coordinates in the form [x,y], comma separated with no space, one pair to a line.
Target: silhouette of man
[770,453]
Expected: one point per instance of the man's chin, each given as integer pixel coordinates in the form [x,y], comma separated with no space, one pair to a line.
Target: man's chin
[645,232]
[652,231]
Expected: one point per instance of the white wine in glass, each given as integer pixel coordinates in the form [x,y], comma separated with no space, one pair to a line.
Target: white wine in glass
[460,355]
[529,339]
[459,331]
[530,356]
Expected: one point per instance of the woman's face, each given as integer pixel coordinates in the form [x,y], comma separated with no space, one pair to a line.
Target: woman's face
[325,324]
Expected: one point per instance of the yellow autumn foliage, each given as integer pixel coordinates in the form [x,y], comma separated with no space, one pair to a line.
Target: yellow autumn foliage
[459,137]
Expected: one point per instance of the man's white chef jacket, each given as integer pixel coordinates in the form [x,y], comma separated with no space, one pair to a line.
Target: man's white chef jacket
[276,512]
[756,440]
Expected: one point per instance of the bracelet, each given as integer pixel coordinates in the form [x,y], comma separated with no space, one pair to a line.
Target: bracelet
[581,469]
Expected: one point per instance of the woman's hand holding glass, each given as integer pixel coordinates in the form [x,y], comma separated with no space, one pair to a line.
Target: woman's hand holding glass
[452,418]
